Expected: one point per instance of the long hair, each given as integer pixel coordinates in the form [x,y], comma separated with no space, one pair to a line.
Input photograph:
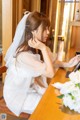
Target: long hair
[34,20]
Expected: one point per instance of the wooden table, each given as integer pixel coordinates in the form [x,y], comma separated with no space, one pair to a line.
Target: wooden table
[49,106]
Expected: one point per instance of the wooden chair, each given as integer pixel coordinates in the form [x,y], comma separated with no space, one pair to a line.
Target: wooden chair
[3,107]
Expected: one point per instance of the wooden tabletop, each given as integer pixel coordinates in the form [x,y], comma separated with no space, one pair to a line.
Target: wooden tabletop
[50,107]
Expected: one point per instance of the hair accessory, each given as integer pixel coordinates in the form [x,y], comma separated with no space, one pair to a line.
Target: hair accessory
[26,12]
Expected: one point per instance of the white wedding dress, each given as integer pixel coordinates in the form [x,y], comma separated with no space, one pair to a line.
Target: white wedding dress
[20,92]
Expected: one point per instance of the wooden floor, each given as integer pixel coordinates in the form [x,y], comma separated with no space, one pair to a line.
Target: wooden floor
[9,117]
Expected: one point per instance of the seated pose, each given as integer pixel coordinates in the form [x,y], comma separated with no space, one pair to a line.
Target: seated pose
[29,62]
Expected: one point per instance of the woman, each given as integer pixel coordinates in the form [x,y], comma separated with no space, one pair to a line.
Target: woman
[29,62]
[21,90]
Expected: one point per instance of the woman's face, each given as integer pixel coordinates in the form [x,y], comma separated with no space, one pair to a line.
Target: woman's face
[40,34]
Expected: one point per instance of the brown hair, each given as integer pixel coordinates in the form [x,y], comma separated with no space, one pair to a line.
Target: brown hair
[34,20]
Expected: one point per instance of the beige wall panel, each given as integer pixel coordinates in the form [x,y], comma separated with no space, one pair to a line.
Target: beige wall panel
[6,27]
[6,24]
[57,26]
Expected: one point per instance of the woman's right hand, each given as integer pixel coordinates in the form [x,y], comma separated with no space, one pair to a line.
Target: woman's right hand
[49,71]
[74,61]
[36,44]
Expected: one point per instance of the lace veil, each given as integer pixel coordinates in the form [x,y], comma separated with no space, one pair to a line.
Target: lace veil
[17,40]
